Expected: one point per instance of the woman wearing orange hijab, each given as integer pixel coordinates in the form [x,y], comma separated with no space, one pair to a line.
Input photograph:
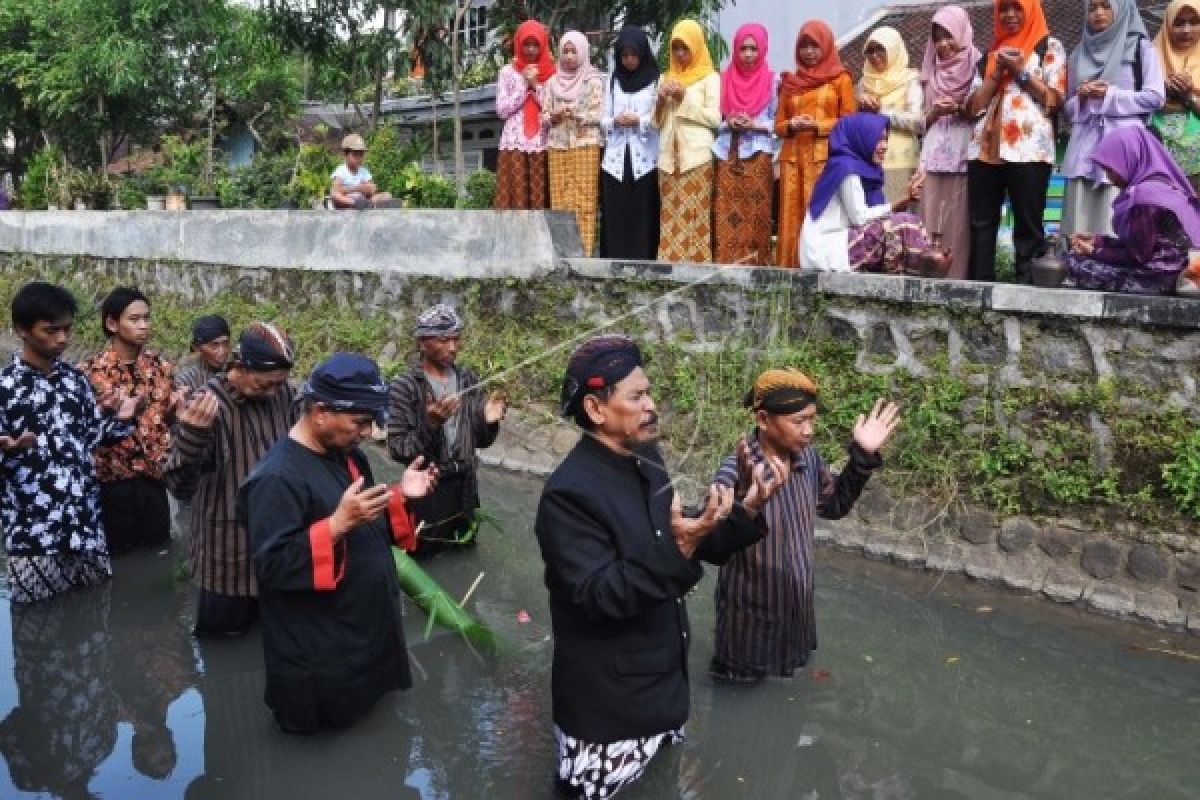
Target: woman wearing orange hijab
[1012,148]
[811,100]
[521,174]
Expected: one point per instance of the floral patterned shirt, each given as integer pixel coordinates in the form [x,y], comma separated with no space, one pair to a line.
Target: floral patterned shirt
[49,497]
[1026,132]
[143,454]
[510,107]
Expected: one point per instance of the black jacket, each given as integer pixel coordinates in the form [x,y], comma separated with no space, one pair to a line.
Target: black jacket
[616,580]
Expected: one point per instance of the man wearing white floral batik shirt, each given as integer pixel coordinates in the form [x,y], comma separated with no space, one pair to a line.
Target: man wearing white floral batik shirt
[50,422]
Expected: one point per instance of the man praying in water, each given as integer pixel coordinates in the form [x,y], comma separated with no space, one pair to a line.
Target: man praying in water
[765,620]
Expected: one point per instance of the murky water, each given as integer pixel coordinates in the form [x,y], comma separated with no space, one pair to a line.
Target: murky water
[915,693]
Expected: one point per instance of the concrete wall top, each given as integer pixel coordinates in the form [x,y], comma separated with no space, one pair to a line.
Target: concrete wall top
[1169,312]
[468,244]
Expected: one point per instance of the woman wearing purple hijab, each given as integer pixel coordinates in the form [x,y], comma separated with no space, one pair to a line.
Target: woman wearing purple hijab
[849,224]
[1156,218]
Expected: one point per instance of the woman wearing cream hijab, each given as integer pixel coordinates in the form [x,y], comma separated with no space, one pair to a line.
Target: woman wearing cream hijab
[1178,124]
[891,88]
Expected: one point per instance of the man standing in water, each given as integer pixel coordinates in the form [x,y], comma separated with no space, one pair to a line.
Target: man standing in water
[620,556]
[133,498]
[765,620]
[321,530]
[439,413]
[210,347]
[223,431]
[50,422]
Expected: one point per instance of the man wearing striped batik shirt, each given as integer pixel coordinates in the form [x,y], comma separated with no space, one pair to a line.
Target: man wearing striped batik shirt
[223,431]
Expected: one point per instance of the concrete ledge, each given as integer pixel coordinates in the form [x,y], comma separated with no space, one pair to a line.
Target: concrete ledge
[1170,312]
[448,244]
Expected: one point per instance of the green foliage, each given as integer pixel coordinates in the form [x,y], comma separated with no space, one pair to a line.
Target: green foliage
[389,159]
[312,182]
[480,190]
[36,189]
[92,187]
[263,183]
[1182,475]
[185,165]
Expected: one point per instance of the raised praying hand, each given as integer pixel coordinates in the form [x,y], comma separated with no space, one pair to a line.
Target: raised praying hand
[689,531]
[496,408]
[419,479]
[872,431]
[758,483]
[200,410]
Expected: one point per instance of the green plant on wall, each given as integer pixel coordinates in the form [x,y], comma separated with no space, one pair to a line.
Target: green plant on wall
[1182,475]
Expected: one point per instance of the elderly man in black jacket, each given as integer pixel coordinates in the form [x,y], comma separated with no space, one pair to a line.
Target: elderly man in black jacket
[620,555]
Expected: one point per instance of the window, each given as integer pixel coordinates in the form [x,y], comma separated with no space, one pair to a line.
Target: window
[474,31]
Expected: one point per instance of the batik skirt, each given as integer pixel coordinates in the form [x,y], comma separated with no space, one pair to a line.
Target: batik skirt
[685,221]
[742,209]
[34,578]
[575,186]
[894,244]
[520,181]
[601,770]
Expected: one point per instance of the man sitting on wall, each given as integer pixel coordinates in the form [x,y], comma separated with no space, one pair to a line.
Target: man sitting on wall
[352,183]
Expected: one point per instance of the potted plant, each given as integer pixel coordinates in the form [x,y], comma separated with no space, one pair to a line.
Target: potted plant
[152,184]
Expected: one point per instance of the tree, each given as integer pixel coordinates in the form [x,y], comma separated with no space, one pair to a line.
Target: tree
[90,75]
[601,18]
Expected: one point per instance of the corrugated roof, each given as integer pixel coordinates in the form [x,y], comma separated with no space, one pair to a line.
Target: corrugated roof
[913,20]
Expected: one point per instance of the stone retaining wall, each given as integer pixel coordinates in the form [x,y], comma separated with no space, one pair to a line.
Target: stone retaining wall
[1063,561]
[514,271]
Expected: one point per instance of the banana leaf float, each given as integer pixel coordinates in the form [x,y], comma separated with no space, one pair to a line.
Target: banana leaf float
[437,602]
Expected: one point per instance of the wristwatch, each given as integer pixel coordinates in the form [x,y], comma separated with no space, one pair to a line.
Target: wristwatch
[1023,78]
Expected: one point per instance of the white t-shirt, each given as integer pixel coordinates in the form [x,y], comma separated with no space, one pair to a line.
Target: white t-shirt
[351,179]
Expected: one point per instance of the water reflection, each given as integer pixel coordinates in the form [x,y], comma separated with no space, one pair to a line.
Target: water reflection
[65,721]
[913,694]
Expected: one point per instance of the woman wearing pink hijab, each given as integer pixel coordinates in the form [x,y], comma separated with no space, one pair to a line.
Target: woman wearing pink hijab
[745,151]
[946,74]
[572,111]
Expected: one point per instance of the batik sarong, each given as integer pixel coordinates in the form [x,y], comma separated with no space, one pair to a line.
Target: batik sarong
[34,578]
[575,187]
[685,222]
[894,244]
[520,181]
[742,209]
[602,770]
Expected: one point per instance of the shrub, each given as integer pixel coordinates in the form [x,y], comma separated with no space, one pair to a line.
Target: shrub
[36,190]
[1182,476]
[481,189]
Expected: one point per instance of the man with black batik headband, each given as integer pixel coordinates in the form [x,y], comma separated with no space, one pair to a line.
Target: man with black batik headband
[765,620]
[620,555]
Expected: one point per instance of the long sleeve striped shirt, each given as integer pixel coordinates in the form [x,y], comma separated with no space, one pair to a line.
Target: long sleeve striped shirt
[207,465]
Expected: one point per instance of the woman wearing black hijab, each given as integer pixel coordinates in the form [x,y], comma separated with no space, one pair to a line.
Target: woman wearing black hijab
[629,171]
